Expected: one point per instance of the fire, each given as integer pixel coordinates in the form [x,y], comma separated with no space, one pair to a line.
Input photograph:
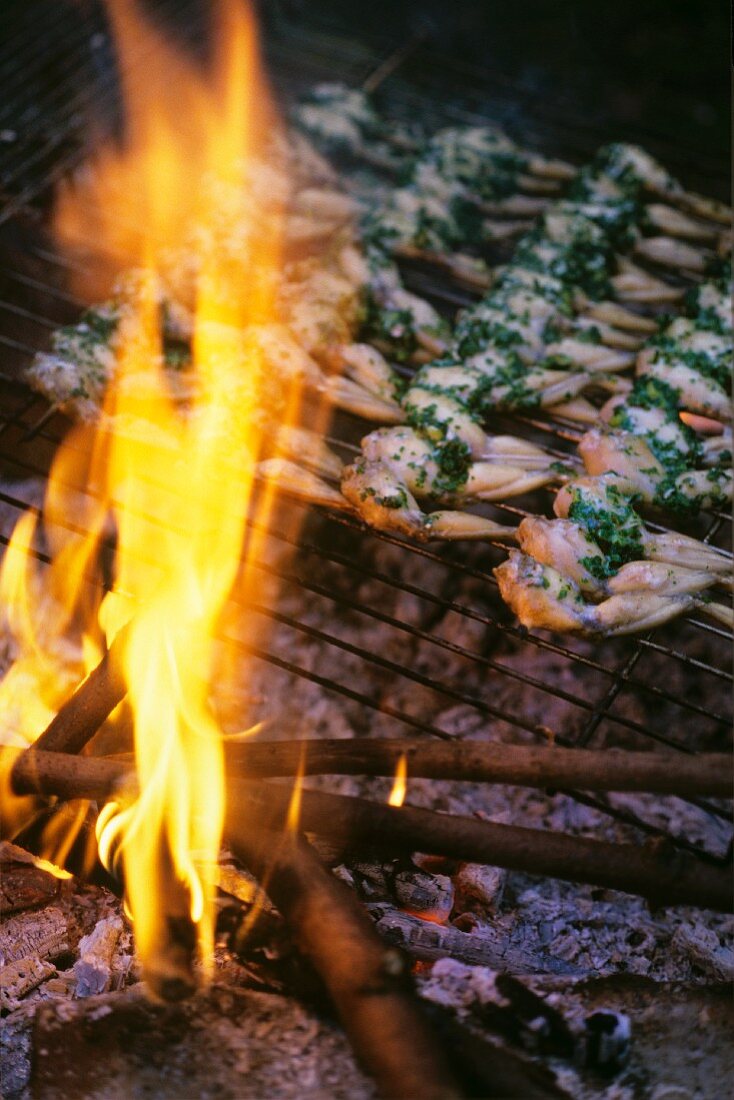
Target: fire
[48,662]
[173,479]
[293,817]
[400,782]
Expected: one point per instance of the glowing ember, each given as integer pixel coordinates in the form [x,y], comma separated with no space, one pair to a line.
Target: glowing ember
[174,480]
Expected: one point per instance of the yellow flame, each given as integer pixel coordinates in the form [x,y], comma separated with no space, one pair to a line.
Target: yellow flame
[400,782]
[51,868]
[183,204]
[293,817]
[48,659]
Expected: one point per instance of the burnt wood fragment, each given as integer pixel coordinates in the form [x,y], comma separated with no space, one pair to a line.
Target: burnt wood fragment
[23,884]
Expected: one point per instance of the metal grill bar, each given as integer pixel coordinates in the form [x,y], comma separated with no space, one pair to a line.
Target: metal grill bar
[444,604]
[628,817]
[547,426]
[106,84]
[623,677]
[26,57]
[478,703]
[399,715]
[342,601]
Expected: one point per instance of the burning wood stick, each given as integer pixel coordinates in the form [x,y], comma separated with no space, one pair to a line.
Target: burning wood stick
[171,977]
[368,982]
[662,875]
[521,765]
[93,701]
[707,775]
[428,941]
[64,776]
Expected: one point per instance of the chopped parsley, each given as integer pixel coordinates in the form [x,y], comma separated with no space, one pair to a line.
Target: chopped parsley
[393,327]
[453,459]
[711,365]
[615,528]
[477,335]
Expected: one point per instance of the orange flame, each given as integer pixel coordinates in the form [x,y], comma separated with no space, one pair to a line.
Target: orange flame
[400,782]
[293,817]
[190,205]
[48,661]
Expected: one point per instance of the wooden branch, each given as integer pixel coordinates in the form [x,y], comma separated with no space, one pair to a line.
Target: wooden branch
[659,873]
[63,775]
[368,982]
[93,701]
[23,884]
[521,765]
[488,1070]
[533,766]
[168,969]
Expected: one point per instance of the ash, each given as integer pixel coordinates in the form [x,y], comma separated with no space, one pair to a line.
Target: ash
[581,950]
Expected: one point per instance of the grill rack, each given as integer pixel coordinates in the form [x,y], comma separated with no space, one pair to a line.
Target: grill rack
[30,431]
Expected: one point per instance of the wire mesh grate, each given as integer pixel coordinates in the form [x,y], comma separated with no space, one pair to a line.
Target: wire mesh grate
[668,687]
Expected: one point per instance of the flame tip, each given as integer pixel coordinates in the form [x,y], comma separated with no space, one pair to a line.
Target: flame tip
[400,782]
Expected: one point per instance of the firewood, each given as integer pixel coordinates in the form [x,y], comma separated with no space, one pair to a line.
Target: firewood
[19,978]
[536,766]
[521,765]
[524,1017]
[168,969]
[63,775]
[368,983]
[493,1071]
[661,874]
[426,895]
[171,978]
[44,934]
[91,704]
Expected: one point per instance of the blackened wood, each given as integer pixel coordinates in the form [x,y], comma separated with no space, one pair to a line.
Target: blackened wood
[169,967]
[491,947]
[521,765]
[492,1071]
[368,982]
[23,884]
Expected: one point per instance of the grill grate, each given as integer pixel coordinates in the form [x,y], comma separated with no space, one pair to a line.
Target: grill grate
[667,687]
